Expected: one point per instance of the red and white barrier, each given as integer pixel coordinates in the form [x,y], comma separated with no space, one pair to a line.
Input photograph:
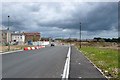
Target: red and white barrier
[33,48]
[27,48]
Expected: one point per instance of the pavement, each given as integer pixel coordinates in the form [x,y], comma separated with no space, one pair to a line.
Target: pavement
[47,63]
[81,67]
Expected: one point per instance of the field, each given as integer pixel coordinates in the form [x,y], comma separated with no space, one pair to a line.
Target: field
[105,56]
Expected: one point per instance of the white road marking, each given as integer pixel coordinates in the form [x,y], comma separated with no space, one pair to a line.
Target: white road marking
[10,52]
[79,77]
[67,66]
[79,63]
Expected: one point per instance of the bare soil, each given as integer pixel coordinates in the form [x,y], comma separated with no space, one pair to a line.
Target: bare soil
[12,47]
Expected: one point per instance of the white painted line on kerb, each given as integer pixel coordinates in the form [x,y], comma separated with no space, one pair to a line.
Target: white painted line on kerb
[65,75]
[10,52]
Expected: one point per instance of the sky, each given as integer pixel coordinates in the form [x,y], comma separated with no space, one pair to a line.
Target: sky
[62,19]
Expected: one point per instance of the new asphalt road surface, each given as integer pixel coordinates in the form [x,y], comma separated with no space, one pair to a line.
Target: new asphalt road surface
[43,63]
[47,63]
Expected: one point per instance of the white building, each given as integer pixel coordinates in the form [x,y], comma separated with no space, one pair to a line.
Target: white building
[18,37]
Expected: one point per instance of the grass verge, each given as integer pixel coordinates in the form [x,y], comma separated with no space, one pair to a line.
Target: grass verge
[105,59]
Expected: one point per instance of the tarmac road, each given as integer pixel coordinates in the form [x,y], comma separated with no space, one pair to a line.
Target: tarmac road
[43,63]
[47,63]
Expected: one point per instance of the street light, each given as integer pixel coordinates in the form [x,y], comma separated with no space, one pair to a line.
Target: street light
[8,34]
[70,39]
[80,34]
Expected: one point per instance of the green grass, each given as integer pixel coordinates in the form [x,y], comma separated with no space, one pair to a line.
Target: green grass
[105,59]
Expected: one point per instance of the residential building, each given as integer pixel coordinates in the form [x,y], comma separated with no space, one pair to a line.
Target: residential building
[18,37]
[32,36]
[5,36]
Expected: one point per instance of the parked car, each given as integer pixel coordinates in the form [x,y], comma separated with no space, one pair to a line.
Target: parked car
[52,44]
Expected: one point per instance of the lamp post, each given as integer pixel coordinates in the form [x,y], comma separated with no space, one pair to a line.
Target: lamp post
[70,39]
[80,34]
[8,34]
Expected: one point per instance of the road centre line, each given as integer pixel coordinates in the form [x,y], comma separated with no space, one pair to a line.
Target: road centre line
[65,74]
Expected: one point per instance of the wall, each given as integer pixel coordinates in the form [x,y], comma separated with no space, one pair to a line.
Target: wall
[41,43]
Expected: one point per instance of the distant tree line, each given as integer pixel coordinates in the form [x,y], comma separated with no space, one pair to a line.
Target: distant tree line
[47,39]
[44,39]
[67,40]
[96,39]
[107,39]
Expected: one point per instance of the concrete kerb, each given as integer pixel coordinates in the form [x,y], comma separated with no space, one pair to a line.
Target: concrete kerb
[28,48]
[10,52]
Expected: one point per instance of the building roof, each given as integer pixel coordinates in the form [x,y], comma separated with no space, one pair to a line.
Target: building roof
[17,34]
[31,33]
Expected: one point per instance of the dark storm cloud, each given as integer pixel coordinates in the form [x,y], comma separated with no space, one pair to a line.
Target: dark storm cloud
[14,25]
[43,17]
[119,19]
[104,17]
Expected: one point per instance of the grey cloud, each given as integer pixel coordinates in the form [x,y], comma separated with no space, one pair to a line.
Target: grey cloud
[42,17]
[102,18]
